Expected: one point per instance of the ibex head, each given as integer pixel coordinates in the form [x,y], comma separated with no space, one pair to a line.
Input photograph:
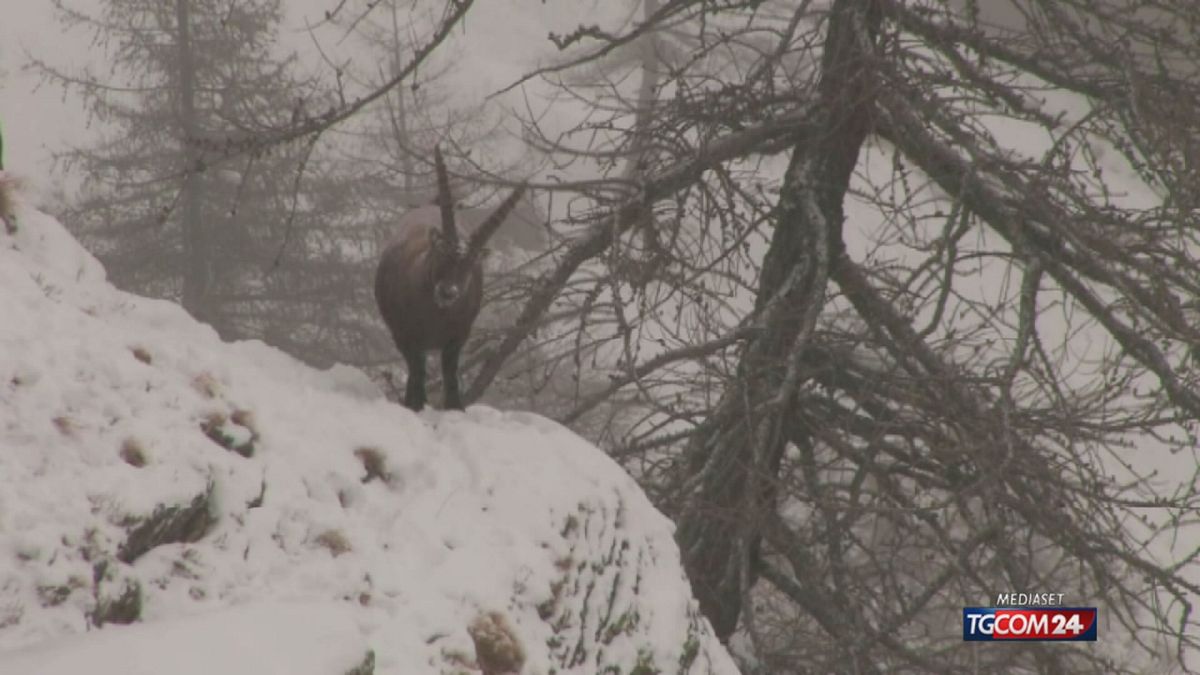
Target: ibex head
[452,263]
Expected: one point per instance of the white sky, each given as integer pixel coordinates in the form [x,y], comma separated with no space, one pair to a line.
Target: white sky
[32,121]
[38,122]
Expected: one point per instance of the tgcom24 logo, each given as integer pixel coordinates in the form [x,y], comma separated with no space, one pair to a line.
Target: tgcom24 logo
[1025,616]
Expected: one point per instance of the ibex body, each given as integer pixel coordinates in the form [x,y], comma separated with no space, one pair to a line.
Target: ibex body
[429,287]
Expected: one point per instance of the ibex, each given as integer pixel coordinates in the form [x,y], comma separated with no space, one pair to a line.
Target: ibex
[429,285]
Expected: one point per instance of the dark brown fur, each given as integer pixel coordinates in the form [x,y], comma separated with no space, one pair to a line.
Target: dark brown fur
[425,262]
[404,291]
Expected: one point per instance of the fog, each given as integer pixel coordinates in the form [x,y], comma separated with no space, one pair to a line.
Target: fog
[499,42]
[36,121]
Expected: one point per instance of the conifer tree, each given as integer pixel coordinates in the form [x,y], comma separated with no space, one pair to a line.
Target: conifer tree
[245,241]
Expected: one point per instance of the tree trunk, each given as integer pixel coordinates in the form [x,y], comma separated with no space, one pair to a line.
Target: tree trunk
[639,155]
[197,250]
[400,115]
[732,465]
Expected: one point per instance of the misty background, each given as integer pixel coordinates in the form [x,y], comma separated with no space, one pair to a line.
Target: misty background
[42,120]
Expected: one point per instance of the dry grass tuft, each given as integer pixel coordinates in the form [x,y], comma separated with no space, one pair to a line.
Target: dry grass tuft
[213,420]
[245,418]
[374,463]
[335,541]
[498,650]
[65,425]
[206,384]
[133,452]
[213,426]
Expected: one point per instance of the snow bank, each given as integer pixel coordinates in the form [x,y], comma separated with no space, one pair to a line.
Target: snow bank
[241,509]
[305,639]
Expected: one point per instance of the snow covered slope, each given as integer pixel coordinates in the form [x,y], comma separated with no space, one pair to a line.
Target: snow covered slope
[251,515]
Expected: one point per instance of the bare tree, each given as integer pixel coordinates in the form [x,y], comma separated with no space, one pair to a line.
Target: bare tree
[931,359]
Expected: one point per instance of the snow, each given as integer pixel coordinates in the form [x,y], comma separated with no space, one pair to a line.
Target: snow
[113,406]
[305,639]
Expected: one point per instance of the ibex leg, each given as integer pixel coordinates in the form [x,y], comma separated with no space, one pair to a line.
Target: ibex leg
[450,354]
[414,391]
